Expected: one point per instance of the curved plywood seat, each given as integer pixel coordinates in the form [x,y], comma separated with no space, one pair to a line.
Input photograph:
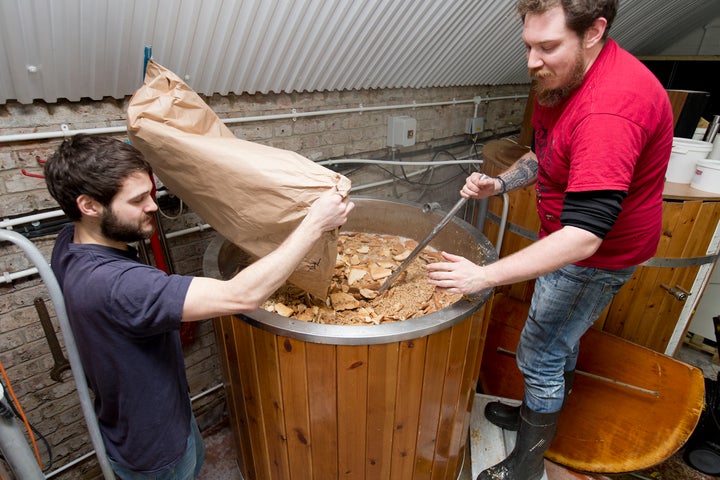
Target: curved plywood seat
[630,408]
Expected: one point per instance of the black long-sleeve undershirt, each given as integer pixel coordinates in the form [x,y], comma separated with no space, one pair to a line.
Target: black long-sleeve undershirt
[595,211]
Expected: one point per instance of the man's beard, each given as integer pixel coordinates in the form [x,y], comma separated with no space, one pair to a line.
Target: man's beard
[553,96]
[114,229]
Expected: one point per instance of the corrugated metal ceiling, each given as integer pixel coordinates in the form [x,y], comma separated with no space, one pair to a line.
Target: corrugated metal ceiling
[55,49]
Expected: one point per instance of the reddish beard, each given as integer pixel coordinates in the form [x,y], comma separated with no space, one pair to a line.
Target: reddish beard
[549,97]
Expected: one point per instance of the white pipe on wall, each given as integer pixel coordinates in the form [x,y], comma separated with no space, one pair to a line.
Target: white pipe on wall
[66,132]
[7,223]
[6,277]
[36,217]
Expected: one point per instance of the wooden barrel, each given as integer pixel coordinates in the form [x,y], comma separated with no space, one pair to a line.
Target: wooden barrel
[654,308]
[306,410]
[312,401]
[522,224]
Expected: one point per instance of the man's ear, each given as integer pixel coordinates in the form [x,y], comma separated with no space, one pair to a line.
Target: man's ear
[594,34]
[88,206]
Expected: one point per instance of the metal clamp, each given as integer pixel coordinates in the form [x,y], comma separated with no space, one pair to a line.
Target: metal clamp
[677,291]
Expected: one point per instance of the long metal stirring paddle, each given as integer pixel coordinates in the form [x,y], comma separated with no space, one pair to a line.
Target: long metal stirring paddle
[422,244]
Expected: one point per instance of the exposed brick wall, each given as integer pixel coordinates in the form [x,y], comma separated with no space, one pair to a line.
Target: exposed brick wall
[53,407]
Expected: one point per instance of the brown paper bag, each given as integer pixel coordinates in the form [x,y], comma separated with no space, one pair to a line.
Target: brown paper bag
[254,195]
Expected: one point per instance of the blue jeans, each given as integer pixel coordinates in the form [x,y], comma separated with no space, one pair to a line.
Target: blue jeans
[564,305]
[187,468]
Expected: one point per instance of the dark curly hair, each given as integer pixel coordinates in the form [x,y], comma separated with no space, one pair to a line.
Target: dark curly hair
[91,165]
[579,14]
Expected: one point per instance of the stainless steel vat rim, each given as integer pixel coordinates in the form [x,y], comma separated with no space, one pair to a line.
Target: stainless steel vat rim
[411,329]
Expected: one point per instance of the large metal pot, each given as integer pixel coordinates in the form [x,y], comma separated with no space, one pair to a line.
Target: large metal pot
[410,220]
[311,401]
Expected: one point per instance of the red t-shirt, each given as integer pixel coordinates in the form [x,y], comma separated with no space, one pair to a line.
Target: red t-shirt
[614,132]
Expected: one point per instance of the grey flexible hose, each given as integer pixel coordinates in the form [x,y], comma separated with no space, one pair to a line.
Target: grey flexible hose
[73,356]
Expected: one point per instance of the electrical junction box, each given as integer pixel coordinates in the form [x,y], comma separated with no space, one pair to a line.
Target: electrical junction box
[474,125]
[401,131]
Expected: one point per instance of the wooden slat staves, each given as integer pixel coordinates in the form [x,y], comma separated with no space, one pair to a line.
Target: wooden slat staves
[383,360]
[526,130]
[677,102]
[246,369]
[430,407]
[271,399]
[471,373]
[228,360]
[322,367]
[410,367]
[703,225]
[643,311]
[499,374]
[352,392]
[641,295]
[522,211]
[449,409]
[234,330]
[391,411]
[293,376]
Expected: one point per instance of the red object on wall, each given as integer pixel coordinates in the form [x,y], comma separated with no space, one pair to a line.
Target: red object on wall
[187,329]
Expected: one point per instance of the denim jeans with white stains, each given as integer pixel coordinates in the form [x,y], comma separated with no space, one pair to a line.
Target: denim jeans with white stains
[564,305]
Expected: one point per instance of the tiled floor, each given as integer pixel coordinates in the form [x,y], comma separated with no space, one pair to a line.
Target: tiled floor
[220,463]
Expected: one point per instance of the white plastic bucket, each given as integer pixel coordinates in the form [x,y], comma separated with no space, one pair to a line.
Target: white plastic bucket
[699,133]
[707,176]
[715,153]
[685,155]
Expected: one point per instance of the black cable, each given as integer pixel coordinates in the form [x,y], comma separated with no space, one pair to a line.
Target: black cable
[32,427]
[412,182]
[473,142]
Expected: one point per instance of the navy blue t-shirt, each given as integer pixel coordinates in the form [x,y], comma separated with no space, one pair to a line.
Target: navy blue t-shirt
[125,318]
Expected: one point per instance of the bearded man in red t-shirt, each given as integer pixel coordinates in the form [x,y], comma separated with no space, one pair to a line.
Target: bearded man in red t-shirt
[603,130]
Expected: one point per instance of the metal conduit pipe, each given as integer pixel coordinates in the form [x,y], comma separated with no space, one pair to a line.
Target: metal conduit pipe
[74,357]
[66,132]
[438,163]
[9,223]
[503,222]
[6,277]
[70,465]
[36,217]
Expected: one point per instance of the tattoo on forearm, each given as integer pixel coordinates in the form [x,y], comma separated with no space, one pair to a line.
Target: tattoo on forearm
[523,173]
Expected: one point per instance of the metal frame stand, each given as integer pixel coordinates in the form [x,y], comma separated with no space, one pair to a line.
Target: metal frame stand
[74,357]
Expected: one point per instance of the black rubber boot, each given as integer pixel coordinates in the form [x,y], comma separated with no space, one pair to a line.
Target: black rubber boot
[503,415]
[508,416]
[526,462]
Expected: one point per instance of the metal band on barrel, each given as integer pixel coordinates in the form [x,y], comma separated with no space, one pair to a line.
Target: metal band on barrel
[661,262]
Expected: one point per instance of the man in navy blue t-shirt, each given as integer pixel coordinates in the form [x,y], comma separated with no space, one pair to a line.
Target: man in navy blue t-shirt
[126,315]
